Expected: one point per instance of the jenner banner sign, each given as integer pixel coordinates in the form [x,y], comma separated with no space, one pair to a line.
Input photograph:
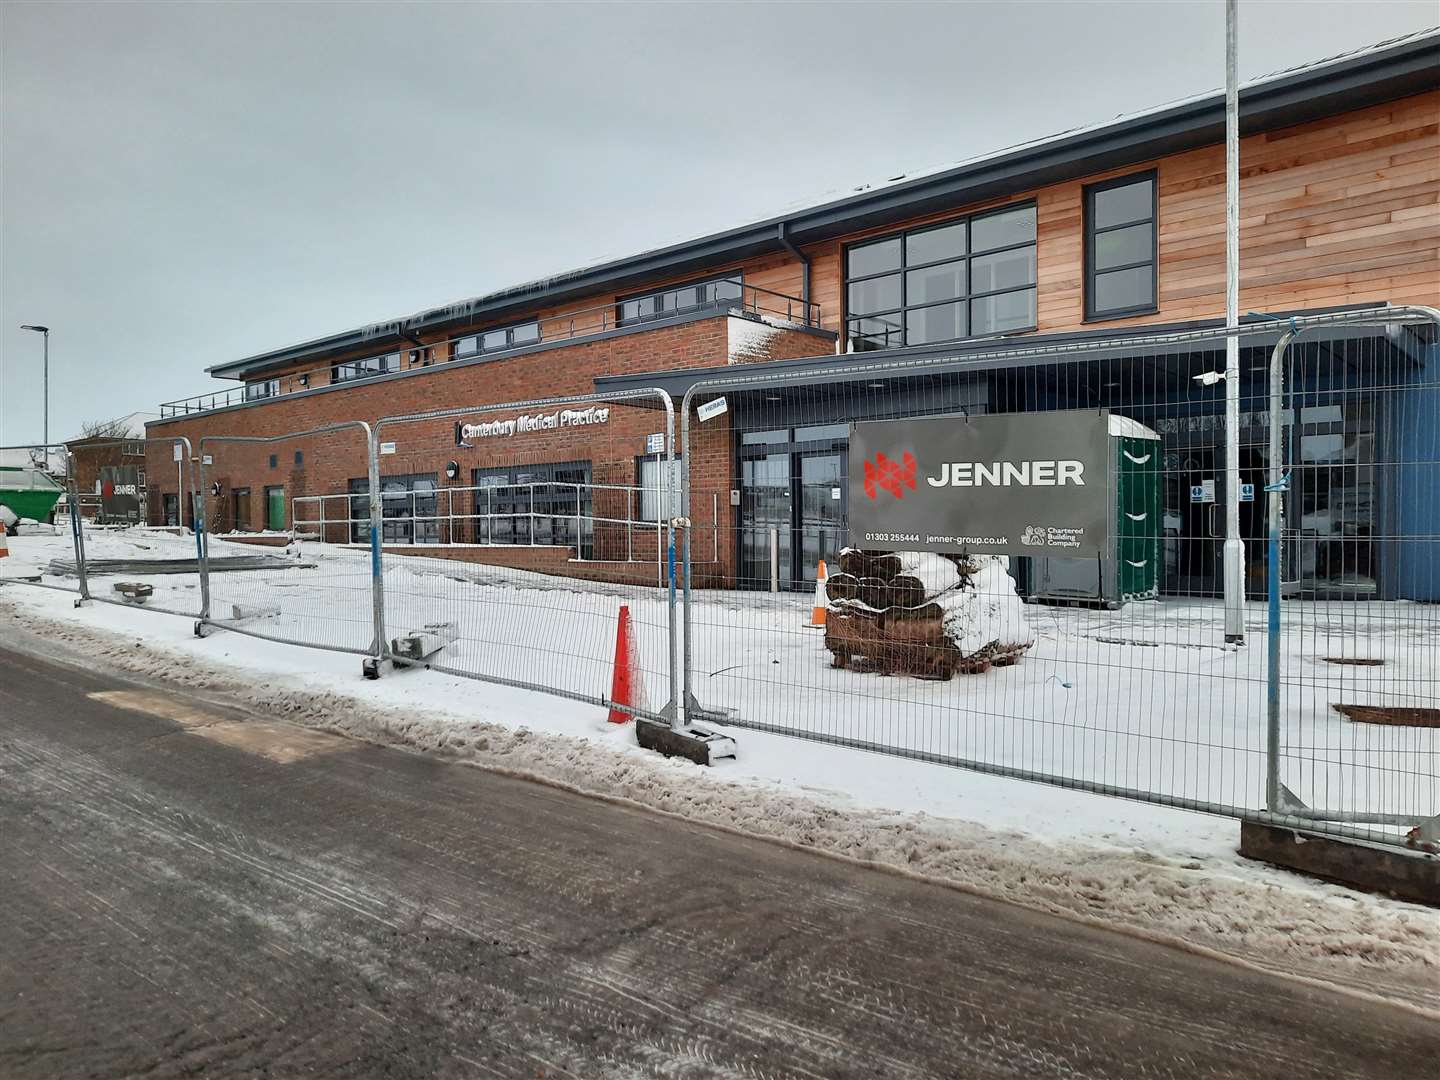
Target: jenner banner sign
[119,493]
[1011,484]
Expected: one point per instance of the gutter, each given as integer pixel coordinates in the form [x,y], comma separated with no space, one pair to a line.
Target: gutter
[783,234]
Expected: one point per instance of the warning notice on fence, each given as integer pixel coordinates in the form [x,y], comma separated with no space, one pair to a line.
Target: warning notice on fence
[1012,484]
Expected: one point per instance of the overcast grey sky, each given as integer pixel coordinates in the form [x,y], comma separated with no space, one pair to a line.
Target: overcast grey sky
[184,184]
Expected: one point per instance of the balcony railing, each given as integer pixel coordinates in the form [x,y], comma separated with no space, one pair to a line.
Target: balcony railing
[586,322]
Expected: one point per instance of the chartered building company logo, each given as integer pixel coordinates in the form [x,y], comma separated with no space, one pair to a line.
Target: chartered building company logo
[893,476]
[1052,536]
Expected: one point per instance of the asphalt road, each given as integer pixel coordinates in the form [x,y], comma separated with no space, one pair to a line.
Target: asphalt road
[186,890]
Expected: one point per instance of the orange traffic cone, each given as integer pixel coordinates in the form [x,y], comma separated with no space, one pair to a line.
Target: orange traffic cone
[4,543]
[817,613]
[627,685]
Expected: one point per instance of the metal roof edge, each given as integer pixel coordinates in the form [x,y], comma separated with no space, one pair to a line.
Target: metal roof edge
[830,368]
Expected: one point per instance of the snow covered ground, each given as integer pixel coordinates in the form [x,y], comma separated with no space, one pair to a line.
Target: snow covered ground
[1161,871]
[1148,698]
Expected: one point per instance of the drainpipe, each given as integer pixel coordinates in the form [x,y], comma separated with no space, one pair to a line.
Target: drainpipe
[789,245]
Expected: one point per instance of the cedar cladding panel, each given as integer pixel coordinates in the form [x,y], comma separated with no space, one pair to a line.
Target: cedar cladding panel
[1339,211]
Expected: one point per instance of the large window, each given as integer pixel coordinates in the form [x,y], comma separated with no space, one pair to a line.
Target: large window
[716,292]
[1120,247]
[545,504]
[366,368]
[965,278]
[257,391]
[408,509]
[503,337]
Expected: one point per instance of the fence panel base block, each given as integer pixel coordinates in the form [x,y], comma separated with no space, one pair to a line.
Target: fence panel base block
[1377,868]
[698,744]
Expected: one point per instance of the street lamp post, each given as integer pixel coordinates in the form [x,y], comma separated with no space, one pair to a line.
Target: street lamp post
[45,330]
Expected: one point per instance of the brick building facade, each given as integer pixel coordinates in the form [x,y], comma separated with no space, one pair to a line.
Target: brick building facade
[1109,229]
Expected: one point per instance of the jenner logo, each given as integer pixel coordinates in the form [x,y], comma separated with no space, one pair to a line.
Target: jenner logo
[893,476]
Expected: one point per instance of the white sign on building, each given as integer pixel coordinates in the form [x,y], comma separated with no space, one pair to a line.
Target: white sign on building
[525,424]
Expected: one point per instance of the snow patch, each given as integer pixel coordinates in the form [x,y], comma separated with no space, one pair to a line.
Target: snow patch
[986,609]
[749,340]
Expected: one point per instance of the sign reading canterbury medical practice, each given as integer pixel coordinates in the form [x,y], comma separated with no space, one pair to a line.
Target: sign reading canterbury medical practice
[524,424]
[1009,484]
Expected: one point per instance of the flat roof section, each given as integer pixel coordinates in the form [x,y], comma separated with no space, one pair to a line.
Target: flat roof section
[987,354]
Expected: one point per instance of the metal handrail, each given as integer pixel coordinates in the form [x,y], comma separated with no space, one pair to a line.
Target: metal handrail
[299,523]
[583,322]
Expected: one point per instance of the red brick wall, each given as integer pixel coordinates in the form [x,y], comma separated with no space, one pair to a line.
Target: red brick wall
[330,461]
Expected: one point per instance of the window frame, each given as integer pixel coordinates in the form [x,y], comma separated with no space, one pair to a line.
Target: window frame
[508,329]
[735,277]
[1091,272]
[354,373]
[967,298]
[396,527]
[541,515]
[262,389]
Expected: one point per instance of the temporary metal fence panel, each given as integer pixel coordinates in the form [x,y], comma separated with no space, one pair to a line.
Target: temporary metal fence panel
[1353,527]
[516,533]
[130,556]
[277,569]
[37,485]
[1102,667]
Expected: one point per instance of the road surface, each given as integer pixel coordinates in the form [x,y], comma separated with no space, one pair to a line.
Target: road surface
[186,889]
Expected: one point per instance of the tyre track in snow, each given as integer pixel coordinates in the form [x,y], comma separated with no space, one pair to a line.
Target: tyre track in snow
[174,904]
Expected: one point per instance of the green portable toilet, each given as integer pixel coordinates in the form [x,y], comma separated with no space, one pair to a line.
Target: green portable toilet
[1130,569]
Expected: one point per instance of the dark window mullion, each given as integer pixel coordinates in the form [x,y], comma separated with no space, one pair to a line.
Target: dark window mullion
[1122,266]
[1000,250]
[1100,230]
[998,292]
[964,256]
[957,299]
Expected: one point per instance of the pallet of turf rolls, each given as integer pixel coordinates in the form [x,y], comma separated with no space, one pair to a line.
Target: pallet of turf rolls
[926,615]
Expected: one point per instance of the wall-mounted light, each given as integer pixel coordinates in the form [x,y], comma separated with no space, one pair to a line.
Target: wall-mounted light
[452,470]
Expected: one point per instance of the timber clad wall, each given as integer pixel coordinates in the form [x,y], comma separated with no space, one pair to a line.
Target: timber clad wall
[1340,211]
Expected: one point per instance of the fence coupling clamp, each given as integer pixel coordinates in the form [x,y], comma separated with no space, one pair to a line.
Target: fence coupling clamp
[1283,484]
[680,522]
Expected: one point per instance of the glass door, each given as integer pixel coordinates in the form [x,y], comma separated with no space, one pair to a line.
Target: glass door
[766,514]
[1332,502]
[1195,493]
[822,512]
[1192,494]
